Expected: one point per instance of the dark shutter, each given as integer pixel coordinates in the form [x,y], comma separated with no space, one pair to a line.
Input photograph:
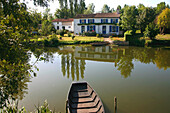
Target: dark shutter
[106,20]
[80,21]
[94,28]
[85,21]
[117,27]
[110,29]
[101,20]
[87,28]
[93,20]
[111,20]
[116,20]
[88,21]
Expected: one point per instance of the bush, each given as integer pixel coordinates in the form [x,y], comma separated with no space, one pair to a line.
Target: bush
[151,31]
[60,32]
[97,35]
[110,37]
[69,34]
[60,37]
[79,34]
[54,42]
[73,37]
[93,33]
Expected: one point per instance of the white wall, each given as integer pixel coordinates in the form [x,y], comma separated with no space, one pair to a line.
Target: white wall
[77,28]
[66,26]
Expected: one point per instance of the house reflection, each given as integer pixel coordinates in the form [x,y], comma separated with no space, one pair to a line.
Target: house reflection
[74,57]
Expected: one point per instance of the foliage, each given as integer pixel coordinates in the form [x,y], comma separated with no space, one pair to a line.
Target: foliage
[90,9]
[60,32]
[47,27]
[93,33]
[161,6]
[163,20]
[151,31]
[74,8]
[128,19]
[73,37]
[106,9]
[146,16]
[69,34]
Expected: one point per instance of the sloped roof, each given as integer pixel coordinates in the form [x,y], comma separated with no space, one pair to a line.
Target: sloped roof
[63,20]
[98,15]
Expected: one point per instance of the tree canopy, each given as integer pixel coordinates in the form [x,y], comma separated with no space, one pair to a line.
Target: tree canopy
[163,20]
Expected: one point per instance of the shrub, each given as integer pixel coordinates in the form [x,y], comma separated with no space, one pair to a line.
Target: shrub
[69,34]
[97,35]
[93,33]
[110,37]
[60,37]
[54,42]
[79,33]
[60,32]
[114,35]
[151,31]
[73,37]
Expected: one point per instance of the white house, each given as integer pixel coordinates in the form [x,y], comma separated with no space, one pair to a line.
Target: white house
[67,24]
[101,23]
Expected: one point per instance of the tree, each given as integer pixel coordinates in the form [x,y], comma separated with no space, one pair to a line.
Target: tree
[160,7]
[163,20]
[151,31]
[90,9]
[106,9]
[128,19]
[146,16]
[47,27]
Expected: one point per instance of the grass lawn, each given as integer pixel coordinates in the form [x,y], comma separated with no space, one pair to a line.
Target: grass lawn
[163,37]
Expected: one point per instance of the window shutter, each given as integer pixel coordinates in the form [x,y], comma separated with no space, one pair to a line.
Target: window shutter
[110,28]
[80,21]
[116,20]
[87,28]
[85,21]
[101,20]
[93,20]
[117,27]
[94,28]
[111,20]
[88,21]
[106,20]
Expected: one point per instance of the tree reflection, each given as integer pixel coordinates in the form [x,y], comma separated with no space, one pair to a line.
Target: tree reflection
[70,64]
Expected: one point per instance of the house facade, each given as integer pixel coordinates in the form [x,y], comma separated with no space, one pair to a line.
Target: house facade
[66,24]
[101,23]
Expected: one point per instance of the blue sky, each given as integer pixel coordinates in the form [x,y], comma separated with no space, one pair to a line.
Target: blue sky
[99,4]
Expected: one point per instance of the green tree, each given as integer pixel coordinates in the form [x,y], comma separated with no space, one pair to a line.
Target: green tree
[151,31]
[106,9]
[146,16]
[90,9]
[163,20]
[160,7]
[128,19]
[47,27]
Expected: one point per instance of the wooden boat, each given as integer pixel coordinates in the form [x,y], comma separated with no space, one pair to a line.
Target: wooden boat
[83,99]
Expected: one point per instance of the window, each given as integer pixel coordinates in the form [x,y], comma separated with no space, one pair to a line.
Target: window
[90,20]
[91,28]
[104,20]
[57,22]
[114,20]
[82,21]
[57,27]
[69,26]
[63,27]
[114,28]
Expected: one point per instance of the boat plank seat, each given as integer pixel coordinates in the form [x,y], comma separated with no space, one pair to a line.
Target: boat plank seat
[83,99]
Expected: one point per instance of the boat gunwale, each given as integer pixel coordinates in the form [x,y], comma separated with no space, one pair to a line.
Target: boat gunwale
[80,82]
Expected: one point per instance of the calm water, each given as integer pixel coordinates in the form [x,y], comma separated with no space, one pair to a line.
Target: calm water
[139,77]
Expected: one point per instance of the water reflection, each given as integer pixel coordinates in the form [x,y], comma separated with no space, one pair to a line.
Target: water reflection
[71,66]
[74,59]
